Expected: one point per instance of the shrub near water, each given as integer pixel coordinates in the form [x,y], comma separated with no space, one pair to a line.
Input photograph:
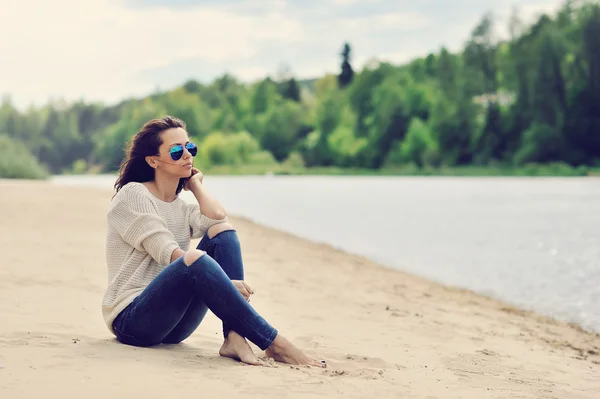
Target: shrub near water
[240,148]
[17,162]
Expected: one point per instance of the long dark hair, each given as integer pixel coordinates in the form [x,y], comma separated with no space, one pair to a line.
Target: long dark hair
[146,142]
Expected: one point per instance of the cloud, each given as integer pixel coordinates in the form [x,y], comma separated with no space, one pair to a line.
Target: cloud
[110,49]
[394,21]
[95,49]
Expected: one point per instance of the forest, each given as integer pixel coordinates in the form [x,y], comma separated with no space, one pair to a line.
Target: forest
[531,100]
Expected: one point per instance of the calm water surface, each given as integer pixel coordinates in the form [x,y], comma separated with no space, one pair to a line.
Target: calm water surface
[533,242]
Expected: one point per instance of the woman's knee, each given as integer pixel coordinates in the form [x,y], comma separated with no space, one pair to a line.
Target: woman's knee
[218,228]
[192,256]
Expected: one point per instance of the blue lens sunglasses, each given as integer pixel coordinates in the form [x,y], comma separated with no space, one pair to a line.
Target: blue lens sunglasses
[176,152]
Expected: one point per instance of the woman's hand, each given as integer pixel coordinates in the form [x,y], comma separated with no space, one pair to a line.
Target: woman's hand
[194,179]
[243,288]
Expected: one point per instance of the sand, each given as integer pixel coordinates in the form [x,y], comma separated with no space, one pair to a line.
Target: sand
[384,333]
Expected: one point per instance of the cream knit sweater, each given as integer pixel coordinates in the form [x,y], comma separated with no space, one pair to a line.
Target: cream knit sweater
[143,232]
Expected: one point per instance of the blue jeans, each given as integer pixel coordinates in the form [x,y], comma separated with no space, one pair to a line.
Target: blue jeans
[174,304]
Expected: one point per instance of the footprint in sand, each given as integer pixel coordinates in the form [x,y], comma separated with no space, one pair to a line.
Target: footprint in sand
[373,362]
[354,365]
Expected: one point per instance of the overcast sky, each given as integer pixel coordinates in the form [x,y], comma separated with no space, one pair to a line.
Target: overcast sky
[105,50]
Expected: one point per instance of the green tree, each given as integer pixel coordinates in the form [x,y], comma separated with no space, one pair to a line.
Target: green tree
[480,59]
[454,126]
[582,117]
[388,121]
[419,147]
[347,73]
[282,128]
[290,90]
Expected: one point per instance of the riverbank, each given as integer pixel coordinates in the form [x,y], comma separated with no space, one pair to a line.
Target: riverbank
[533,170]
[384,333]
[547,170]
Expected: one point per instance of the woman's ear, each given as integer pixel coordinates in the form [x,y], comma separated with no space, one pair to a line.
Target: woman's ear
[152,162]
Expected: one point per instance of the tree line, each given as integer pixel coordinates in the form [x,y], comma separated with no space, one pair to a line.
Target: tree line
[531,98]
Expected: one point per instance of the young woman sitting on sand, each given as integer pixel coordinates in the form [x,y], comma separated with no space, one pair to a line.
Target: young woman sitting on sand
[159,290]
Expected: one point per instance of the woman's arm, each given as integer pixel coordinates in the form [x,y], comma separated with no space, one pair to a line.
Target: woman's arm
[209,206]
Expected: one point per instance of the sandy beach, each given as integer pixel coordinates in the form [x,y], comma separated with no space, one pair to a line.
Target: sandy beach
[384,333]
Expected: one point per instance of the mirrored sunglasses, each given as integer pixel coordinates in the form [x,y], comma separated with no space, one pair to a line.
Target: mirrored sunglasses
[176,152]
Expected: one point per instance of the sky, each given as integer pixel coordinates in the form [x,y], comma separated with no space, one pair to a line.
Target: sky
[108,50]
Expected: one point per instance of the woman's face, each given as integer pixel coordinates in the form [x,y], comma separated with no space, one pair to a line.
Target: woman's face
[175,154]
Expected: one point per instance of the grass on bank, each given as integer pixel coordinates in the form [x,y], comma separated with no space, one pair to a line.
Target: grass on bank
[557,169]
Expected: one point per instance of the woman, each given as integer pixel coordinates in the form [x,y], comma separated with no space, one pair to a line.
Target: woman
[159,290]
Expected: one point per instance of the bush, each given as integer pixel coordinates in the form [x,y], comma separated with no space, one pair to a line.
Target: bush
[294,160]
[419,147]
[541,143]
[227,149]
[263,158]
[79,167]
[17,162]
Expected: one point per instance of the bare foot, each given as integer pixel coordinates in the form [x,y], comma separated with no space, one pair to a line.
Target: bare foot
[236,347]
[284,351]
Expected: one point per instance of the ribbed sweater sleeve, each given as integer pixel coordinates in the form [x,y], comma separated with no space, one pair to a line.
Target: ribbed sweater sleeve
[200,223]
[136,219]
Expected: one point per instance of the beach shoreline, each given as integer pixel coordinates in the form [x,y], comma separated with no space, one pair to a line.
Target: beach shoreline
[384,332]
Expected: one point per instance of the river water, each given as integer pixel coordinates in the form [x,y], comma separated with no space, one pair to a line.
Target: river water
[532,242]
